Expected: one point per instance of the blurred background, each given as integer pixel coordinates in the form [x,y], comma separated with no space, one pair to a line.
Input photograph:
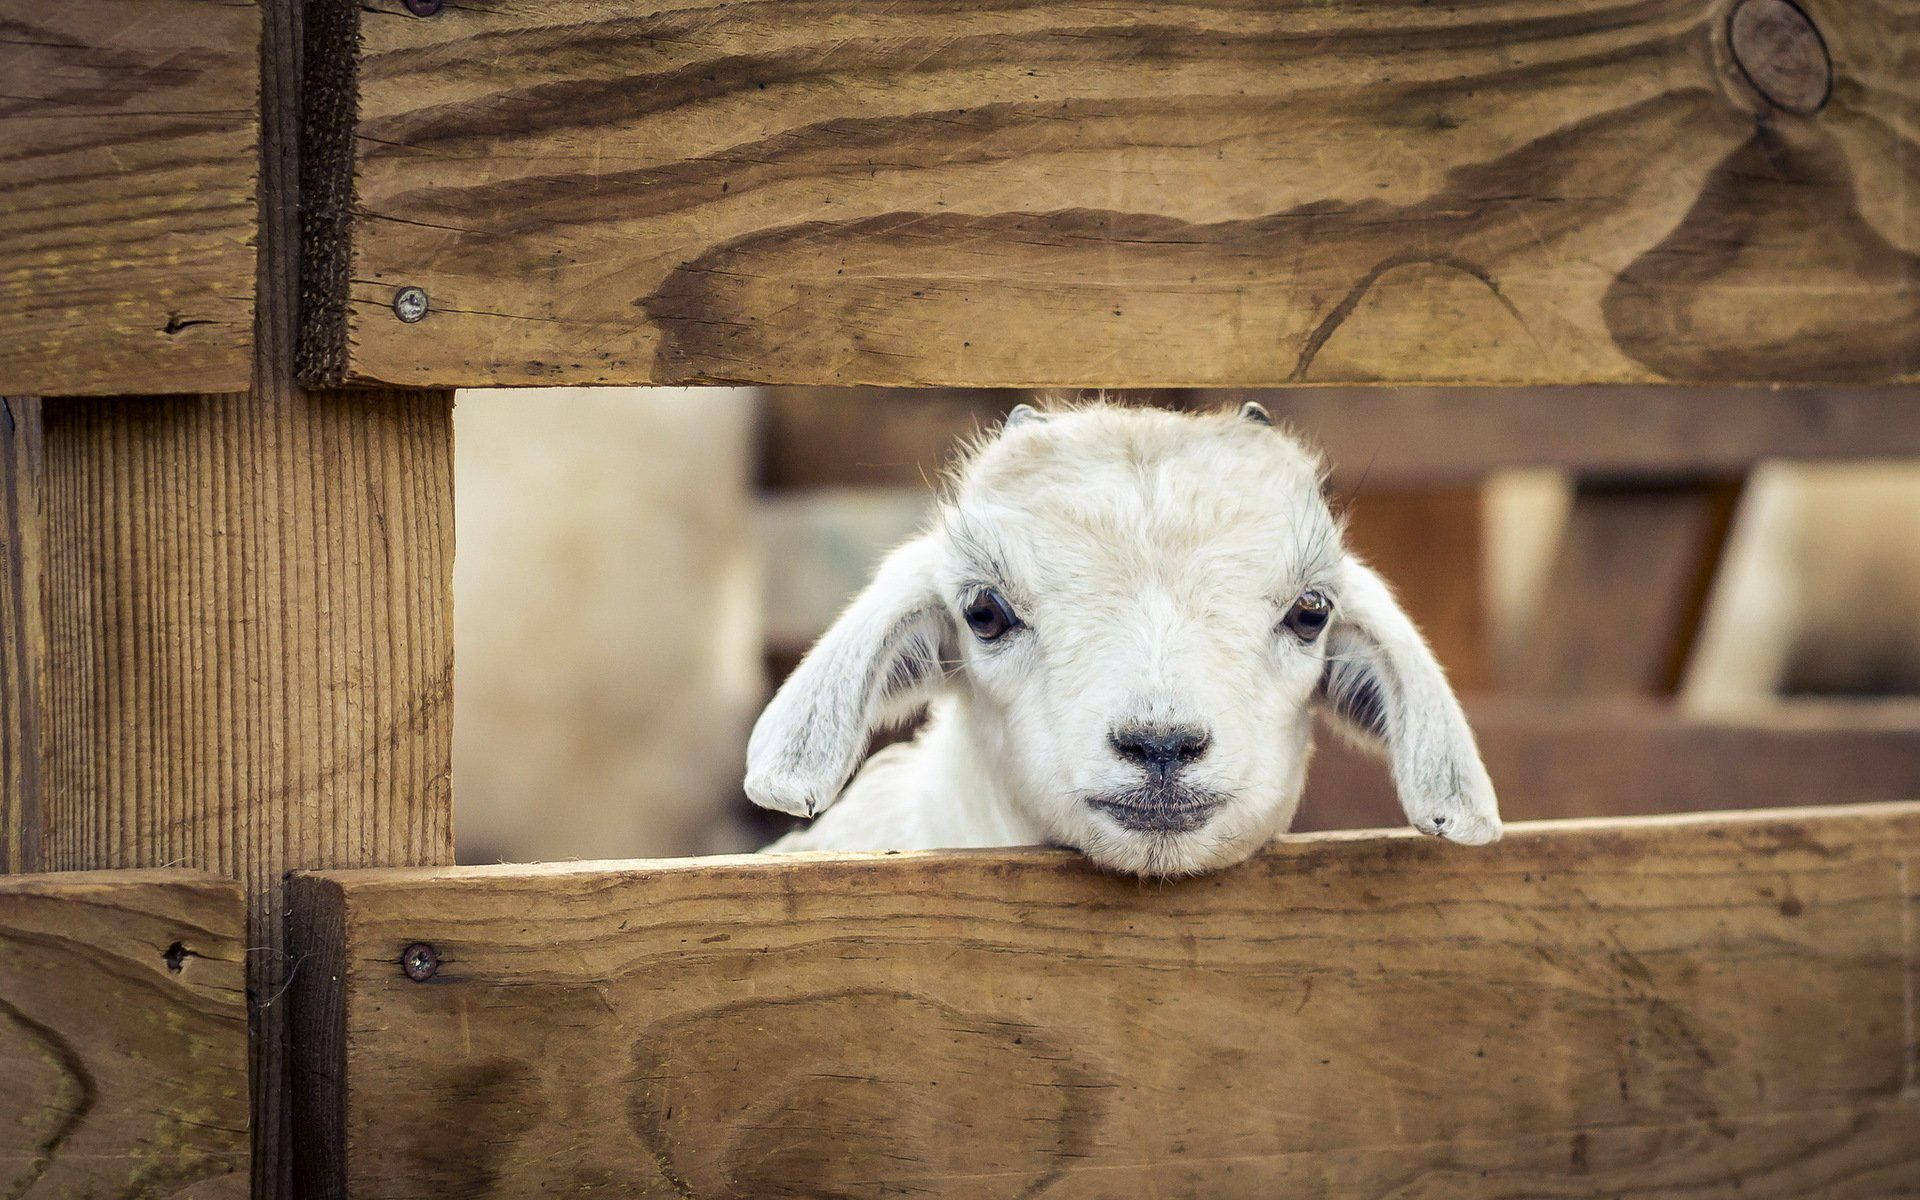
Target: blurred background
[638,568]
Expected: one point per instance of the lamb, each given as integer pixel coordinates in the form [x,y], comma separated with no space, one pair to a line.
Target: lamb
[1120,621]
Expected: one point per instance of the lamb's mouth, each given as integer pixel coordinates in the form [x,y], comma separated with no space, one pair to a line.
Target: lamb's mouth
[1158,808]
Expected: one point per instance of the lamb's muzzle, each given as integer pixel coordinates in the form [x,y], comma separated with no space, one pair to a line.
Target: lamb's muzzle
[1121,621]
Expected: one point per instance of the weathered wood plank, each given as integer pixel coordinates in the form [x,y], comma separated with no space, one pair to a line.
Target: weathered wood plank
[1621,758]
[123,1036]
[1710,1007]
[1116,194]
[129,144]
[22,634]
[1383,437]
[1628,586]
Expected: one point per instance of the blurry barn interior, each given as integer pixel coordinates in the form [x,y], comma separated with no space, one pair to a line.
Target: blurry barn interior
[638,568]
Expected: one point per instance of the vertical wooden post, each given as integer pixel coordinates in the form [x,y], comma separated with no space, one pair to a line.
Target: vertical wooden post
[249,623]
[250,653]
[22,645]
[1627,590]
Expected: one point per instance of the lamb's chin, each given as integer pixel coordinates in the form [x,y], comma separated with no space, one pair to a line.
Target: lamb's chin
[1166,855]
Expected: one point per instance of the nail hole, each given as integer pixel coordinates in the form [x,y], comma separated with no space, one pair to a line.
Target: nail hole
[176,956]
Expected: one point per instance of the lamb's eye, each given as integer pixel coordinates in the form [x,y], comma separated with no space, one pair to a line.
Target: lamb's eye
[1308,616]
[989,615]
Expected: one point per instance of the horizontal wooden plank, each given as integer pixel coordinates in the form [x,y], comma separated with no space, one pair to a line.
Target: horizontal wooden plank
[123,1036]
[1712,1007]
[1382,437]
[1113,194]
[129,144]
[1621,758]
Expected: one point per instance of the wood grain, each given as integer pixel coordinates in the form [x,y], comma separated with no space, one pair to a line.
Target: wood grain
[1710,1007]
[1205,192]
[1627,588]
[1622,757]
[123,1036]
[250,650]
[129,144]
[1382,437]
[22,634]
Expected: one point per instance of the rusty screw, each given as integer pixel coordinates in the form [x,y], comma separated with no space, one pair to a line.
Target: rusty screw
[419,961]
[410,304]
[1782,55]
[423,8]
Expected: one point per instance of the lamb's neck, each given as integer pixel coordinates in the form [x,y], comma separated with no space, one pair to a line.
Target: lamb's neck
[965,799]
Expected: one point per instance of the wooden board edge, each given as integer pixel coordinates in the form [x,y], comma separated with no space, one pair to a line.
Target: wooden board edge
[317,941]
[1898,815]
[330,83]
[23,634]
[59,884]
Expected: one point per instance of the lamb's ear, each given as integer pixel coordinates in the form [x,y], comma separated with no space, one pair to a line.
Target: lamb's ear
[881,660]
[1384,685]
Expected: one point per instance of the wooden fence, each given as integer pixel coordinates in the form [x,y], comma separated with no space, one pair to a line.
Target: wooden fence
[247,247]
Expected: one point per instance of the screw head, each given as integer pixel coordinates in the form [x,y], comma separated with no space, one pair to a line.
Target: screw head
[423,8]
[1782,54]
[410,304]
[419,961]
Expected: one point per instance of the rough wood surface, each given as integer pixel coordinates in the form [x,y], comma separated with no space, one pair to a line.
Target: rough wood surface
[123,1036]
[1621,757]
[1628,586]
[250,650]
[129,143]
[1383,437]
[1715,1008]
[1114,194]
[22,634]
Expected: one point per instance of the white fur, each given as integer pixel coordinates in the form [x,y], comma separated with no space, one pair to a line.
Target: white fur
[1150,557]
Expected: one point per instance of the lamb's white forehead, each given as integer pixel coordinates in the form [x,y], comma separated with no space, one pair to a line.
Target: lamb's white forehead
[1109,488]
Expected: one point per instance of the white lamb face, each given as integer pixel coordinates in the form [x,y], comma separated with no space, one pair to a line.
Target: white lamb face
[1138,612]
[1149,703]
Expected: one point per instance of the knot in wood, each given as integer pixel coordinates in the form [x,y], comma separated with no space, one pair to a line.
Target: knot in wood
[1781,54]
[423,8]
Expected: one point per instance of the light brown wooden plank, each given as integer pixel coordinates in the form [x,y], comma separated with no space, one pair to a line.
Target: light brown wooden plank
[1628,586]
[1384,437]
[22,634]
[1124,194]
[1701,1007]
[123,1036]
[1622,757]
[129,143]
[250,650]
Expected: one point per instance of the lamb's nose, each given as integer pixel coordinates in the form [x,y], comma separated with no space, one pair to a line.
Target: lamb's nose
[1161,749]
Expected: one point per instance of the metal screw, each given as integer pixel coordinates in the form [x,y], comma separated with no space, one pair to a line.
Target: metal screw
[410,304]
[423,8]
[419,961]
